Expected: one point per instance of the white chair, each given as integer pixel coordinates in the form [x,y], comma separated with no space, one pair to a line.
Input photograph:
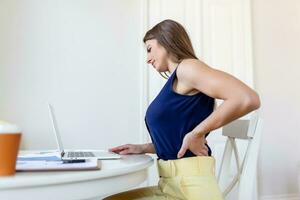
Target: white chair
[246,176]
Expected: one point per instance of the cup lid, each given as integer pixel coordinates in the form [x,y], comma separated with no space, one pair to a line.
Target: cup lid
[7,127]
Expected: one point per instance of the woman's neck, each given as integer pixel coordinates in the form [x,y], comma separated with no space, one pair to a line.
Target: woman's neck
[172,66]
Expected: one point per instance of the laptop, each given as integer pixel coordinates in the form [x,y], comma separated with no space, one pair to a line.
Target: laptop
[78,154]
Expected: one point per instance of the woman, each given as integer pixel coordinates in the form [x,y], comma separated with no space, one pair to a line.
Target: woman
[182,115]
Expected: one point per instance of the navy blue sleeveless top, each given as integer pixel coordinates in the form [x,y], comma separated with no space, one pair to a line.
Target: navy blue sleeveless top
[171,115]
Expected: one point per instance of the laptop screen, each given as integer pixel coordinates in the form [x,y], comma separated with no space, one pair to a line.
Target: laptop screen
[55,128]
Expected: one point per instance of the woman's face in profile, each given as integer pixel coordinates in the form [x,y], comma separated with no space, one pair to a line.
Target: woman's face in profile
[156,55]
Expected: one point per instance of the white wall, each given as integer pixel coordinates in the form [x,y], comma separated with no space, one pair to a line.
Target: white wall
[276,26]
[82,56]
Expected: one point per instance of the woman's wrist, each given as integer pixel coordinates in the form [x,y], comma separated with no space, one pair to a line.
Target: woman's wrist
[144,148]
[197,133]
[147,148]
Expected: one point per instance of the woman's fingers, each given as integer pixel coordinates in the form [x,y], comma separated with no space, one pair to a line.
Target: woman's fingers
[114,149]
[182,150]
[119,148]
[204,152]
[200,154]
[126,151]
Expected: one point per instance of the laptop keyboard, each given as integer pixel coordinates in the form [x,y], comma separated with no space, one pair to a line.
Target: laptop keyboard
[80,154]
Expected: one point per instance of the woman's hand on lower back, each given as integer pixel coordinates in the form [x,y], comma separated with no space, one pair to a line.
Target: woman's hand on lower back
[129,149]
[195,144]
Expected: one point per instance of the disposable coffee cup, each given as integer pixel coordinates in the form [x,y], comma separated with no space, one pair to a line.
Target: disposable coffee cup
[10,136]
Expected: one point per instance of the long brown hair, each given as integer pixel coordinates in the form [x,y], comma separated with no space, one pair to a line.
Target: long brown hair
[174,38]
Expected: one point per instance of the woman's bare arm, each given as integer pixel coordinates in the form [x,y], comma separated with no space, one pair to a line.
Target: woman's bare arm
[239,99]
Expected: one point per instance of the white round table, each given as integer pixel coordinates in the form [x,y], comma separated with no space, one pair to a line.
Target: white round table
[115,176]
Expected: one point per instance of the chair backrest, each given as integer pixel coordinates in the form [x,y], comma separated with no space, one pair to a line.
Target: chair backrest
[245,178]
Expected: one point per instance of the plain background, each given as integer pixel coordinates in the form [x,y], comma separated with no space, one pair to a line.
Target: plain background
[276,42]
[79,56]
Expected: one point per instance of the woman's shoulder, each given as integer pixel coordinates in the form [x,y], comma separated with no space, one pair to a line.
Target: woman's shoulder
[191,63]
[190,69]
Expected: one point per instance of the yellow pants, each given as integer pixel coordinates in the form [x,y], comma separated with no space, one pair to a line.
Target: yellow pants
[190,178]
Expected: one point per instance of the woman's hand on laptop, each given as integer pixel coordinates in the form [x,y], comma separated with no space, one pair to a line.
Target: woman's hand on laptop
[128,149]
[133,149]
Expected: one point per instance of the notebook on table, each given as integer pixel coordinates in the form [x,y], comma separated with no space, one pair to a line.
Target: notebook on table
[56,165]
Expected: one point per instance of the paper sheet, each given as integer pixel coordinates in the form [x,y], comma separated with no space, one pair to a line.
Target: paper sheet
[51,161]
